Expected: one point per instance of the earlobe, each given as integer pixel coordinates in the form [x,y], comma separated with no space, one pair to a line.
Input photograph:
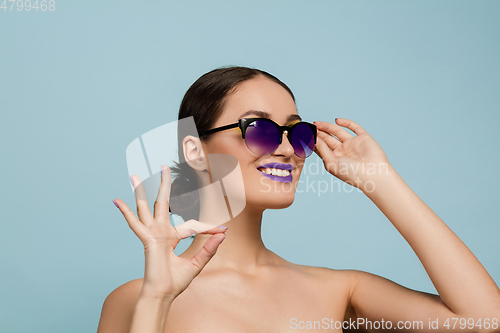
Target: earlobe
[193,153]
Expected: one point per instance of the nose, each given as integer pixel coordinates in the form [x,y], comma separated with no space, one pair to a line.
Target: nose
[285,148]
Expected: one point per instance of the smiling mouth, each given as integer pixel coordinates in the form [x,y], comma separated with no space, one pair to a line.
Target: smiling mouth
[279,172]
[275,172]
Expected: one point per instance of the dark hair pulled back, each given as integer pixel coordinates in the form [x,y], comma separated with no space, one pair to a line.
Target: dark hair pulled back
[204,101]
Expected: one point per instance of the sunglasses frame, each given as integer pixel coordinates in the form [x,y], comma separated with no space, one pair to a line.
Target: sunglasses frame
[245,122]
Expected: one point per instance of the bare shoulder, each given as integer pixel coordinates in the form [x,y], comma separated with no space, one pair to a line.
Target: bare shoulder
[118,307]
[340,285]
[347,276]
[334,279]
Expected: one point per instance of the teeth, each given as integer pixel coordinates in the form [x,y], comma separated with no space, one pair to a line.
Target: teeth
[276,172]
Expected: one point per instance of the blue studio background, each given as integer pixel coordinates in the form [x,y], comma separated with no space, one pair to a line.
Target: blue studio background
[79,83]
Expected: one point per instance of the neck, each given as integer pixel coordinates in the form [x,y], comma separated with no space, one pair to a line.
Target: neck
[242,250]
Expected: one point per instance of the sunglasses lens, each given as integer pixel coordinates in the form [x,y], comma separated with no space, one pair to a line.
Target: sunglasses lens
[262,137]
[303,140]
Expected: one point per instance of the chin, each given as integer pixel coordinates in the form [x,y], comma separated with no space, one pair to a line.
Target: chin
[270,194]
[279,205]
[275,200]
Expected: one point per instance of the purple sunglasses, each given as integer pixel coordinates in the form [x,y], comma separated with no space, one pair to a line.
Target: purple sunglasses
[263,136]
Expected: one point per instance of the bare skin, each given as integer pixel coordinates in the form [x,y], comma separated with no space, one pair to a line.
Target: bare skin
[241,286]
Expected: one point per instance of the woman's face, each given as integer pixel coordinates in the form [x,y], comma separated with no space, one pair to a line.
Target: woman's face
[256,98]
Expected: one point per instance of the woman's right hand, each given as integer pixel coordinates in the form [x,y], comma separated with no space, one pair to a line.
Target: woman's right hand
[167,275]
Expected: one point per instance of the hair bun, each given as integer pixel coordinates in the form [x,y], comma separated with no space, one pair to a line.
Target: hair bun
[184,197]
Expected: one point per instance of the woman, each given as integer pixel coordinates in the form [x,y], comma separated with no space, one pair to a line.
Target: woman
[247,288]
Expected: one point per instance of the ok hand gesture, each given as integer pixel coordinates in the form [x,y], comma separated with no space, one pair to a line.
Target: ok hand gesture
[166,274]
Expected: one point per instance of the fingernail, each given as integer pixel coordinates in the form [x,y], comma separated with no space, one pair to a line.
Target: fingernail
[116,204]
[221,226]
[223,238]
[131,180]
[161,170]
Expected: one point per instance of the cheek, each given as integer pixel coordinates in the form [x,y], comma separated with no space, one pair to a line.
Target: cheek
[235,146]
[298,171]
[226,143]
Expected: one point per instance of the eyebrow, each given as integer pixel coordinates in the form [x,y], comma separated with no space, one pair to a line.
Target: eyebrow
[263,114]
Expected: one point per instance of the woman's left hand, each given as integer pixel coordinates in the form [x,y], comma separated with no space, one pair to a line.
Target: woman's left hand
[353,159]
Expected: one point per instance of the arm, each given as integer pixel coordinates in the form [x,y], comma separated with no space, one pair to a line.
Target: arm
[118,308]
[150,314]
[465,288]
[126,309]
[461,281]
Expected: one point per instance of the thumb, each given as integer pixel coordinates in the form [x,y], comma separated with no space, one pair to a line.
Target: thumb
[201,258]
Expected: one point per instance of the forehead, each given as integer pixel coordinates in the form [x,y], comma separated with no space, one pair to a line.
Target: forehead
[260,94]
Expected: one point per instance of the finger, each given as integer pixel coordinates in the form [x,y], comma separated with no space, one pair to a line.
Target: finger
[193,227]
[143,211]
[334,129]
[323,151]
[350,125]
[162,200]
[133,222]
[331,141]
[201,258]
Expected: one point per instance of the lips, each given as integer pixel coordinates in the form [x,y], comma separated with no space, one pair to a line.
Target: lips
[279,172]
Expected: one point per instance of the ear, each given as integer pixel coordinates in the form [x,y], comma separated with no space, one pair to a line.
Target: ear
[193,153]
